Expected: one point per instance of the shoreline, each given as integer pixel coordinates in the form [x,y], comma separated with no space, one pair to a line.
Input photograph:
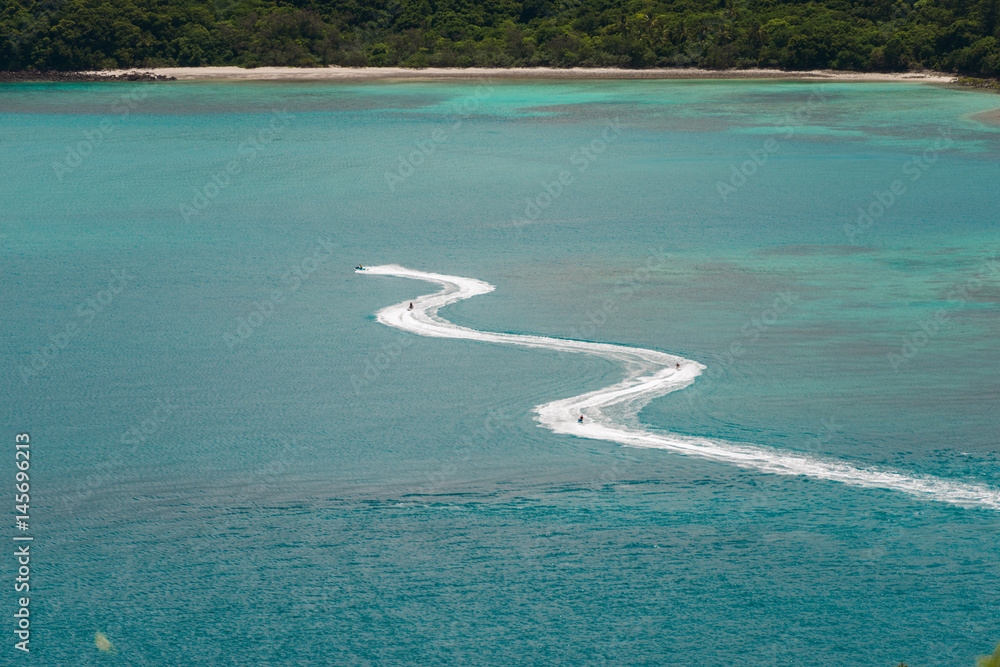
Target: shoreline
[43,76]
[334,73]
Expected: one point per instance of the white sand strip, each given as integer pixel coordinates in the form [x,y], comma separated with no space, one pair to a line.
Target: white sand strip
[334,73]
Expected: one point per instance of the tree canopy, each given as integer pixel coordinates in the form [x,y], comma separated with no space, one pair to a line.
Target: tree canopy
[864,35]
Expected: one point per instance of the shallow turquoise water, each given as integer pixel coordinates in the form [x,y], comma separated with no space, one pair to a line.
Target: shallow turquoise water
[315,488]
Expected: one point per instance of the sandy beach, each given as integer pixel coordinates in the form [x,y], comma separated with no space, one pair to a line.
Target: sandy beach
[376,73]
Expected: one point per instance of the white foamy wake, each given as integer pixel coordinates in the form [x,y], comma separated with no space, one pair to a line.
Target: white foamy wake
[610,413]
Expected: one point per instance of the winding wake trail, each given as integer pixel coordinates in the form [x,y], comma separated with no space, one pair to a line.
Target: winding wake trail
[611,413]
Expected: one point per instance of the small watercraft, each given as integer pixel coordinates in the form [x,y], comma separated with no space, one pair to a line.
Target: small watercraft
[359,268]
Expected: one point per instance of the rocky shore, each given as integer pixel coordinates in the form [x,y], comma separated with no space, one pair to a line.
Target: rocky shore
[23,76]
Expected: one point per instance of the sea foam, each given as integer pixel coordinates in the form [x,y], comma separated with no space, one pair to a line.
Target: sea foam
[611,413]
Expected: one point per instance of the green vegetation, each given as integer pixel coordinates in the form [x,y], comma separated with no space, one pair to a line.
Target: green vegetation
[973,82]
[989,660]
[885,35]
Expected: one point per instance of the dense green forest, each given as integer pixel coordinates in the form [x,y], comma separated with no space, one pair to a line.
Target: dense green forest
[946,35]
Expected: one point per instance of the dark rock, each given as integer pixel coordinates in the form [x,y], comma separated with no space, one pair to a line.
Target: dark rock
[73,77]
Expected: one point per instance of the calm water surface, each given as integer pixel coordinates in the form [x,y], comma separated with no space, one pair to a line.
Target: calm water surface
[234,464]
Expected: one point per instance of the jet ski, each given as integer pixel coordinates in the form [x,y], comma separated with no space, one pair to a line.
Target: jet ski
[359,268]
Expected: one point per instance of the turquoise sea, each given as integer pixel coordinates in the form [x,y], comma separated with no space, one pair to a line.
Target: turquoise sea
[233,463]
